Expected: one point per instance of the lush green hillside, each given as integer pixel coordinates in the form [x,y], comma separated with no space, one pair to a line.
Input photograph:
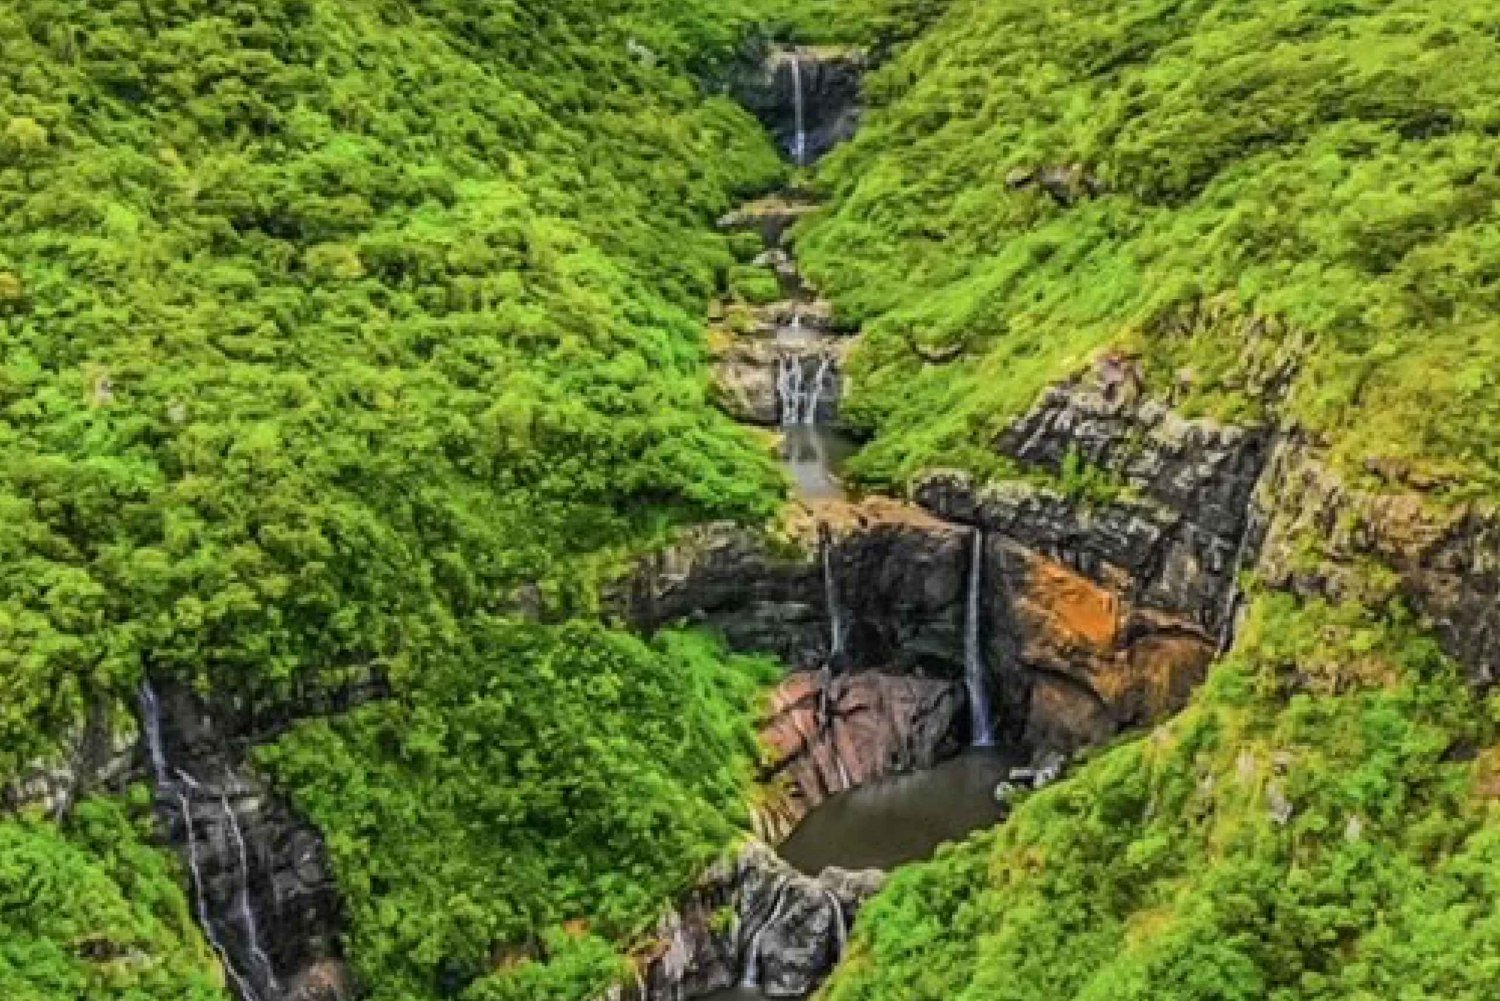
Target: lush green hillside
[333,332]
[1218,188]
[1316,826]
[326,325]
[1326,165]
[97,913]
[547,785]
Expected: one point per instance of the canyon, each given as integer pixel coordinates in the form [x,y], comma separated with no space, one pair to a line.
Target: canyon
[972,636]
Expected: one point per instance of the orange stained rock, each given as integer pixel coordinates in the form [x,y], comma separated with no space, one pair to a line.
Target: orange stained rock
[1071,606]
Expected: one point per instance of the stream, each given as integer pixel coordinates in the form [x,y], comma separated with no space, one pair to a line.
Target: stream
[901,818]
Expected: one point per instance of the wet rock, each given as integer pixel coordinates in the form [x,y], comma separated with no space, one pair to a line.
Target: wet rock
[827,80]
[259,873]
[771,217]
[756,921]
[899,577]
[827,734]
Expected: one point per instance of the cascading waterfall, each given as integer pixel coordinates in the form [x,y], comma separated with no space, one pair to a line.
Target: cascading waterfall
[837,630]
[751,976]
[840,928]
[975,675]
[799,112]
[815,393]
[181,787]
[789,388]
[244,904]
[801,396]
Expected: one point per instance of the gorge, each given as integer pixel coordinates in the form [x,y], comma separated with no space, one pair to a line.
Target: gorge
[865,500]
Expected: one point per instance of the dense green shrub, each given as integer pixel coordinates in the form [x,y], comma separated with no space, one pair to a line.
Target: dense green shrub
[95,912]
[546,777]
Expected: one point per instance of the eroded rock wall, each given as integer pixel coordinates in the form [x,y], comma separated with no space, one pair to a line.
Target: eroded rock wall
[755,921]
[827,734]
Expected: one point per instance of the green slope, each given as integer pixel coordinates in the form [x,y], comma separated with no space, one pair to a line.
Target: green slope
[1255,183]
[97,913]
[334,334]
[1316,826]
[1326,165]
[324,325]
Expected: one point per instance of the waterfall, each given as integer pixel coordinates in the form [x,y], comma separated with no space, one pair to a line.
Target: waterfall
[975,674]
[799,142]
[181,787]
[801,395]
[840,929]
[243,902]
[837,633]
[789,386]
[814,395]
[751,977]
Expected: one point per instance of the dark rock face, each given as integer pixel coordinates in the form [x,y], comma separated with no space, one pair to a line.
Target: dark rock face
[1108,614]
[1447,562]
[898,580]
[755,921]
[827,734]
[259,875]
[829,82]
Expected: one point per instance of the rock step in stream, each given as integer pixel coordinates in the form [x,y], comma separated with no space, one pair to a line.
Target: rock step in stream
[866,765]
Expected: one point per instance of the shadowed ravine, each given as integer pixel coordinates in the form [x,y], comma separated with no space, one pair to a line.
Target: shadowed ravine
[867,814]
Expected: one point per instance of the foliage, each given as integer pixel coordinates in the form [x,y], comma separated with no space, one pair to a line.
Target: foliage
[94,912]
[545,776]
[1309,829]
[1326,165]
[325,324]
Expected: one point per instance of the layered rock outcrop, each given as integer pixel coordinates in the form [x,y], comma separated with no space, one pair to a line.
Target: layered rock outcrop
[1323,536]
[828,733]
[1098,613]
[894,574]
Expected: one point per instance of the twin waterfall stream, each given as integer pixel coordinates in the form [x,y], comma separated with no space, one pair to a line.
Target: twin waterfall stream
[235,936]
[882,823]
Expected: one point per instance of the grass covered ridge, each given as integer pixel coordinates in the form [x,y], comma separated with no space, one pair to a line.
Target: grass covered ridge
[543,796]
[1329,165]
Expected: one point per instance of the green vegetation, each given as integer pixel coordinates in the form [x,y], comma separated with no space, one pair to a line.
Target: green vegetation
[326,324]
[549,778]
[96,913]
[1327,165]
[332,332]
[1317,826]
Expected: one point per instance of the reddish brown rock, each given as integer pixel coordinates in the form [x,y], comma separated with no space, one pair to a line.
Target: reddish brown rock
[825,735]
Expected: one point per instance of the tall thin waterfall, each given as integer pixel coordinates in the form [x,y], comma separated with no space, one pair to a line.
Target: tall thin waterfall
[815,393]
[182,787]
[751,975]
[799,112]
[975,674]
[837,631]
